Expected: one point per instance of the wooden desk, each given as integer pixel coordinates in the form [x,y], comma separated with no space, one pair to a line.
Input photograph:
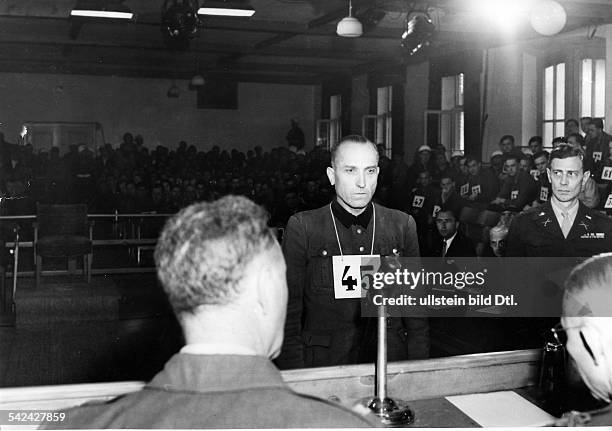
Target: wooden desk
[424,383]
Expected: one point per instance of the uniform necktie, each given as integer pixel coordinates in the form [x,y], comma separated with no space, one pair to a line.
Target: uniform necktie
[444,248]
[566,226]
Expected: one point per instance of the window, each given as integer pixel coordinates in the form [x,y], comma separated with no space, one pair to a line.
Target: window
[592,88]
[553,124]
[328,131]
[450,120]
[378,128]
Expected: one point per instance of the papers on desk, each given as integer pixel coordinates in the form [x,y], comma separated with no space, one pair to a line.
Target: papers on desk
[501,409]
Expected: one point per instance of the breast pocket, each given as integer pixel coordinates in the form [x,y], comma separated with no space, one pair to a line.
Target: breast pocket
[320,269]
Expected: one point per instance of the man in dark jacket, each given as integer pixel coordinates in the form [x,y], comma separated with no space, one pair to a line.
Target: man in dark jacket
[452,243]
[320,329]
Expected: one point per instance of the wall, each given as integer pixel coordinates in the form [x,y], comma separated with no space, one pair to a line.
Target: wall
[504,97]
[141,107]
[360,102]
[415,101]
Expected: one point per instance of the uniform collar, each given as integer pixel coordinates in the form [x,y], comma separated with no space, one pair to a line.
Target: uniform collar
[216,373]
[545,216]
[347,219]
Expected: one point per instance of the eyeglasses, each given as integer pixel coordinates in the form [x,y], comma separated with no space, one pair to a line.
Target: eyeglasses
[560,335]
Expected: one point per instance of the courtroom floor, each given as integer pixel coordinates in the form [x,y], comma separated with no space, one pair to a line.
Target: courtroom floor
[119,327]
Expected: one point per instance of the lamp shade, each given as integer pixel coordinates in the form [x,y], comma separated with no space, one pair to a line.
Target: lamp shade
[197,81]
[548,17]
[173,91]
[349,27]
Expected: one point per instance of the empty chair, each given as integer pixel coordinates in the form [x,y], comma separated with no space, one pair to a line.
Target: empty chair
[62,231]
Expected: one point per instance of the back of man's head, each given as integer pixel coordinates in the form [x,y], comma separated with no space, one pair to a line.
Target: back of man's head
[205,249]
[587,320]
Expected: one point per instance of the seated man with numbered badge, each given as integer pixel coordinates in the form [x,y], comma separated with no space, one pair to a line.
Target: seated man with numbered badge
[482,185]
[539,174]
[322,248]
[518,189]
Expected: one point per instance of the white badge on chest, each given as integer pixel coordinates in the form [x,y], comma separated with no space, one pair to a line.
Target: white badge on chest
[348,270]
[543,194]
[606,174]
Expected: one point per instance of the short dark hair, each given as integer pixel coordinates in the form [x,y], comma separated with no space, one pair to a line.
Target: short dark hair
[537,139]
[597,122]
[354,139]
[579,138]
[559,140]
[540,154]
[505,137]
[565,151]
[204,250]
[570,121]
[446,209]
[586,118]
[511,157]
[469,159]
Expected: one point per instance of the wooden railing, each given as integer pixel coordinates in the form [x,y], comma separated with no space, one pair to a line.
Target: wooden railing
[410,380]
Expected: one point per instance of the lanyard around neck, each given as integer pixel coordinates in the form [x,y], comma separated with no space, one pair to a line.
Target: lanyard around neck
[373,228]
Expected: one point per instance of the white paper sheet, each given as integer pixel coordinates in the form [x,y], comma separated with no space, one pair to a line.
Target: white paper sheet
[501,409]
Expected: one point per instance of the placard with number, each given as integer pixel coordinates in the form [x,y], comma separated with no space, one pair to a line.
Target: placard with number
[418,201]
[597,155]
[513,194]
[476,189]
[535,174]
[606,174]
[543,194]
[436,210]
[465,189]
[347,272]
[608,204]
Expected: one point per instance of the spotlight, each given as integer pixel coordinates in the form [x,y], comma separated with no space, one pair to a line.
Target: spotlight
[180,22]
[419,30]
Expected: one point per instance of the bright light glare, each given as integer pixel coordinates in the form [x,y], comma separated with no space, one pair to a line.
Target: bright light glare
[217,11]
[506,15]
[102,14]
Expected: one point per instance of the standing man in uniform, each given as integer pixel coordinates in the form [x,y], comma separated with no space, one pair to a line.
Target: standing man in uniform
[563,226]
[322,330]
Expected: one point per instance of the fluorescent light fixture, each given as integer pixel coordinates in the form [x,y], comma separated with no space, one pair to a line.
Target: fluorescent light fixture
[101,14]
[226,8]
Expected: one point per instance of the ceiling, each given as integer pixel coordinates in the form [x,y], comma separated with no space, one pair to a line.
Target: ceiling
[291,41]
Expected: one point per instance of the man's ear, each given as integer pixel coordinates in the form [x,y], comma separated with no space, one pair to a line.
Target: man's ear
[264,278]
[585,178]
[548,174]
[331,175]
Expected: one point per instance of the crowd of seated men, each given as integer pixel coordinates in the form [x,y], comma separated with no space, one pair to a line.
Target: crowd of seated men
[132,179]
[514,181]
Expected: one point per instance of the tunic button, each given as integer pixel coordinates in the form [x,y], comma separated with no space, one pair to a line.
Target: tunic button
[324,252]
[361,249]
[358,230]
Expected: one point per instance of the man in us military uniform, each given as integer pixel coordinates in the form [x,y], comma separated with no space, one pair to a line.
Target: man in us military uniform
[321,330]
[563,226]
